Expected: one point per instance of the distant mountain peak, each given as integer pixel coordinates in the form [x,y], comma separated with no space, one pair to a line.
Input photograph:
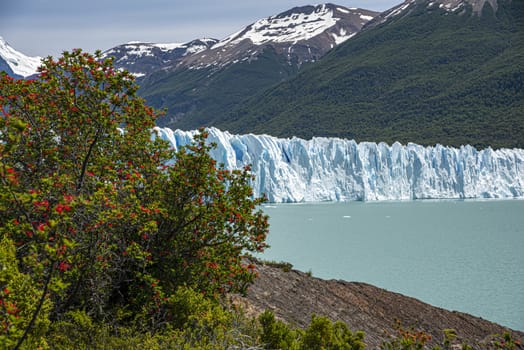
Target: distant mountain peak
[305,32]
[455,5]
[299,23]
[141,58]
[450,6]
[17,63]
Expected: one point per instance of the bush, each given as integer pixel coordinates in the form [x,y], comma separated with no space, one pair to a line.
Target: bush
[22,303]
[275,334]
[323,334]
[106,218]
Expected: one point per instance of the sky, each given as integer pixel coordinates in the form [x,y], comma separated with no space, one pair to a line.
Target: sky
[48,27]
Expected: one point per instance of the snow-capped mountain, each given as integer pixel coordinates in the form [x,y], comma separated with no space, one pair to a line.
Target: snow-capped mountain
[333,169]
[143,58]
[427,74]
[303,34]
[15,63]
[204,87]
[460,5]
[452,6]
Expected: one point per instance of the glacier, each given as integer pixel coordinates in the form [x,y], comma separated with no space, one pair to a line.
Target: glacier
[333,169]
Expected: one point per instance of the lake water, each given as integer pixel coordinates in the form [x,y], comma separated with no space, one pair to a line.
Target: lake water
[459,255]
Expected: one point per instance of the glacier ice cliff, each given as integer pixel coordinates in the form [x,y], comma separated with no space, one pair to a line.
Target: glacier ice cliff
[332,169]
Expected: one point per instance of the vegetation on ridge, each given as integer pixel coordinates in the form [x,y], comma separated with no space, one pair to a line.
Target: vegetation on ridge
[198,97]
[427,76]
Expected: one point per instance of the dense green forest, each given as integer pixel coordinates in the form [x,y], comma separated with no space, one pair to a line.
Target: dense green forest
[428,76]
[198,97]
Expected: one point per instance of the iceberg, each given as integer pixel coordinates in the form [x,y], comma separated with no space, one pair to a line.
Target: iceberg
[333,169]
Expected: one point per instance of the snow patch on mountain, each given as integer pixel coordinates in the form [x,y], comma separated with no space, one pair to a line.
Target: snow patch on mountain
[290,27]
[397,10]
[343,36]
[19,63]
[140,49]
[303,34]
[366,18]
[331,169]
[454,5]
[447,5]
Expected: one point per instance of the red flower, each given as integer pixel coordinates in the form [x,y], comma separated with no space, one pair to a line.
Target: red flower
[44,203]
[212,265]
[62,207]
[63,266]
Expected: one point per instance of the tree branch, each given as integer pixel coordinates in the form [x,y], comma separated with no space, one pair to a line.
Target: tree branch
[38,308]
[86,160]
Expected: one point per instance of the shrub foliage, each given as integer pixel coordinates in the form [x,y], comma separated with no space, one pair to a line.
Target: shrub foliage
[104,216]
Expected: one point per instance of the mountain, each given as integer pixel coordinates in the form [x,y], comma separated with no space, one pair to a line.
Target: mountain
[204,86]
[302,34]
[440,71]
[331,169]
[144,58]
[16,64]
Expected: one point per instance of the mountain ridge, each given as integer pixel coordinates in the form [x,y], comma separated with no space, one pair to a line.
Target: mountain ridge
[328,24]
[425,71]
[204,87]
[142,58]
[15,63]
[426,75]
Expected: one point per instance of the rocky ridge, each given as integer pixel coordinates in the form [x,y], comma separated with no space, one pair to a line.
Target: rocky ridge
[450,6]
[294,296]
[303,34]
[144,58]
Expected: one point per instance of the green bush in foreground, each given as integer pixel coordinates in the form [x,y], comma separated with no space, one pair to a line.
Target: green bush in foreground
[19,298]
[109,222]
[201,323]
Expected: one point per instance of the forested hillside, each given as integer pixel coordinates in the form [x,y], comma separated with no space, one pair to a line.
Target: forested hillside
[203,87]
[425,75]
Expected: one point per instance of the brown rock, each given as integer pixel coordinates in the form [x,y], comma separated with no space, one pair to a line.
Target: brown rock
[294,296]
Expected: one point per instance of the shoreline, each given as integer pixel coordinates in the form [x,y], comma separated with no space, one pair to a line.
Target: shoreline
[293,296]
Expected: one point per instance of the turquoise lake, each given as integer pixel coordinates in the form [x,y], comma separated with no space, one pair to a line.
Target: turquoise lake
[460,255]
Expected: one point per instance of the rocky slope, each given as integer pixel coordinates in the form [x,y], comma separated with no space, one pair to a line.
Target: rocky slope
[294,296]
